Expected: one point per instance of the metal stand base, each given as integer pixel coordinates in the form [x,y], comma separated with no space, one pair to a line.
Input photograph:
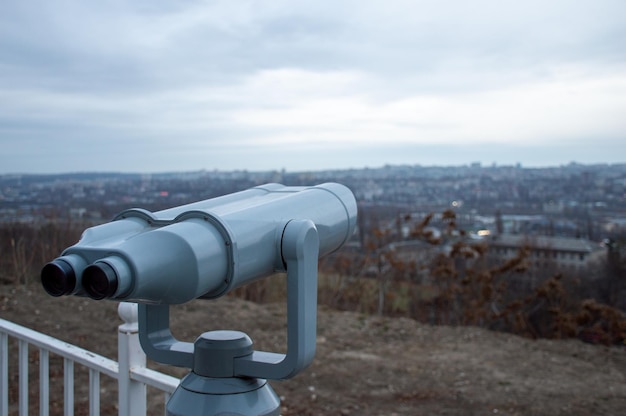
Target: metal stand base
[212,388]
[205,396]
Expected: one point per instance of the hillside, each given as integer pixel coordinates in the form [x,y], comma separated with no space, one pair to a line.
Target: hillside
[367,365]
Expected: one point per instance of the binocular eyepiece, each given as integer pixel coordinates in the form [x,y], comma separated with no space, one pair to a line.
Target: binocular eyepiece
[203,249]
[99,280]
[58,278]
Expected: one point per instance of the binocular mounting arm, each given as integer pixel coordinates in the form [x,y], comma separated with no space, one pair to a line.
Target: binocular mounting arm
[300,252]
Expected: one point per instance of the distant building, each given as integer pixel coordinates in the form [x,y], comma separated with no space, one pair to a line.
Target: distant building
[77,213]
[553,207]
[547,253]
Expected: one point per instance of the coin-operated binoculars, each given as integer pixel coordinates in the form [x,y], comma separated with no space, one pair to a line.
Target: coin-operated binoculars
[204,250]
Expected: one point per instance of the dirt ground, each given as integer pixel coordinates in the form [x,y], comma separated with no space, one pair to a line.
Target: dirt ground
[365,365]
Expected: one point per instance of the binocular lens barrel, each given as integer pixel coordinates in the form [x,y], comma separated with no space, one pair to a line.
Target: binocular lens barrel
[58,278]
[203,249]
[100,281]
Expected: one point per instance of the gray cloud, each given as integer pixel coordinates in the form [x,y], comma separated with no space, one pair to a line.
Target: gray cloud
[222,83]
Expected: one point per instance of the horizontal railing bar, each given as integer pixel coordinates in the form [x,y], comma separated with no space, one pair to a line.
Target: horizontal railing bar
[79,355]
[154,379]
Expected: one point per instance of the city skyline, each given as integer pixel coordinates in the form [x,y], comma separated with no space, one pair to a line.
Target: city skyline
[182,86]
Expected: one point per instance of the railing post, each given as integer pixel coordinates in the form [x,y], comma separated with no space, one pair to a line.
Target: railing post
[131,394]
[23,372]
[4,374]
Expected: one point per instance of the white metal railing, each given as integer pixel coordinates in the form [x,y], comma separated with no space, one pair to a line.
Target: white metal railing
[130,370]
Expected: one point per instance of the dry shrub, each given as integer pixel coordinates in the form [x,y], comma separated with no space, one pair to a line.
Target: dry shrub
[25,248]
[463,289]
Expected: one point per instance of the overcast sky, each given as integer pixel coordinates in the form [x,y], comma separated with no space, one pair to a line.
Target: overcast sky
[179,85]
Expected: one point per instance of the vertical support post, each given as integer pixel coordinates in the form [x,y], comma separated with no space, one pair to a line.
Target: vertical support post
[132,394]
[4,374]
[166,398]
[23,383]
[68,387]
[44,382]
[94,392]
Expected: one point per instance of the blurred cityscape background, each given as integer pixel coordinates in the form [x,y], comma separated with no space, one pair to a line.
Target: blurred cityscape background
[568,220]
[577,201]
